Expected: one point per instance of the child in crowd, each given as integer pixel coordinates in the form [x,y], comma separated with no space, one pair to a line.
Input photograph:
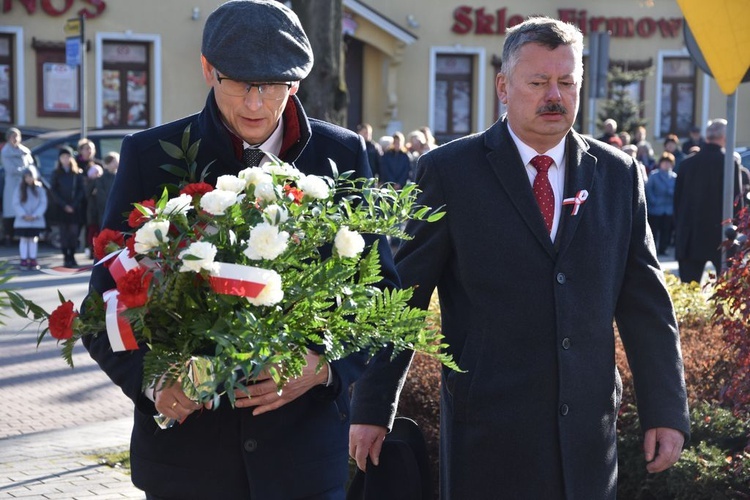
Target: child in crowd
[30,203]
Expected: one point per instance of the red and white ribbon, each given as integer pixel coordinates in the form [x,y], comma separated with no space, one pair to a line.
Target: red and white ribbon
[577,201]
[122,263]
[236,279]
[119,332]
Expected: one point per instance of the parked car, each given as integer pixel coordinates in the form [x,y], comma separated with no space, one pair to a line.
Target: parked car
[744,156]
[46,147]
[26,132]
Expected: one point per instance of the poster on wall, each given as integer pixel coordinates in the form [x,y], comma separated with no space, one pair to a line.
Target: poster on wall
[60,88]
[111,97]
[137,96]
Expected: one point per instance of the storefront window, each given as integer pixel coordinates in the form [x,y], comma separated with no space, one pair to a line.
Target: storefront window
[125,85]
[6,79]
[453,96]
[677,96]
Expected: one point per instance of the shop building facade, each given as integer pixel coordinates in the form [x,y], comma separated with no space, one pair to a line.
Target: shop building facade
[409,64]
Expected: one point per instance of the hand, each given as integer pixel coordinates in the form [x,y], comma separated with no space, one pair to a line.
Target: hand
[669,443]
[68,209]
[364,440]
[171,401]
[265,396]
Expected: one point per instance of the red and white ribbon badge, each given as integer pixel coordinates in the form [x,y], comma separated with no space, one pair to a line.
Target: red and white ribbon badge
[577,201]
[236,279]
[119,332]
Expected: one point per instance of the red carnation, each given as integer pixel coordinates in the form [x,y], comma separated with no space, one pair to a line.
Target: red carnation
[197,188]
[130,245]
[61,321]
[295,194]
[107,241]
[133,287]
[136,218]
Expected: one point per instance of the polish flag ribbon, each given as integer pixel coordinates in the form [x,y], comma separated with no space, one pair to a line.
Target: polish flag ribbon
[236,279]
[577,201]
[121,264]
[119,332]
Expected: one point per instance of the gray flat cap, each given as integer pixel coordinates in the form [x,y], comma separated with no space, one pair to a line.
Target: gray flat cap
[257,41]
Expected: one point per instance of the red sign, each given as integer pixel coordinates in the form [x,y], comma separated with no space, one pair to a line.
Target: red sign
[94,9]
[481,21]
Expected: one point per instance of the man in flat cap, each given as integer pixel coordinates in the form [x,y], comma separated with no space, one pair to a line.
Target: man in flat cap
[272,446]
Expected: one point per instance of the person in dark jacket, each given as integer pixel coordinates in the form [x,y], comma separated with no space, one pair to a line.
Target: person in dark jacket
[67,193]
[395,163]
[103,184]
[276,445]
[529,285]
[374,151]
[698,205]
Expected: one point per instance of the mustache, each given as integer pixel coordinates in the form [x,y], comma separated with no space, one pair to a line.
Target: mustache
[552,108]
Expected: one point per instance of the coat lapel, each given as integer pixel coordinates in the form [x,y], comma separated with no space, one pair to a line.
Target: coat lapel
[580,166]
[505,163]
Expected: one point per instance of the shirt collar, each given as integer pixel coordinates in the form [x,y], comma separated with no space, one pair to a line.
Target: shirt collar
[272,145]
[557,153]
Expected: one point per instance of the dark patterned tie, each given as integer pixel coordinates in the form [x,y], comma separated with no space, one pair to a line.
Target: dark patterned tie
[543,193]
[251,157]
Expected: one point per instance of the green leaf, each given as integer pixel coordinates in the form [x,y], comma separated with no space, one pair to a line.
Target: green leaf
[172,150]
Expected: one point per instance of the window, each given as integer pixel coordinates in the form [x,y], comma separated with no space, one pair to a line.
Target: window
[125,85]
[454,75]
[7,113]
[57,83]
[677,96]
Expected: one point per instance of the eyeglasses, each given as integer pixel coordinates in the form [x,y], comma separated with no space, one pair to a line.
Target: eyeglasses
[267,91]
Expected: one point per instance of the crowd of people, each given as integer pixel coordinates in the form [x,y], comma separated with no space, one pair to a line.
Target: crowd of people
[73,200]
[393,158]
[688,174]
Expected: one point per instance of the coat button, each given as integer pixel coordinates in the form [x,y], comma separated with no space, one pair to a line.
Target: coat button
[561,278]
[564,410]
[566,343]
[251,445]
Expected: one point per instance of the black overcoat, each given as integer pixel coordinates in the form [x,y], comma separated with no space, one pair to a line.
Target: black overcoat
[296,451]
[531,322]
[698,204]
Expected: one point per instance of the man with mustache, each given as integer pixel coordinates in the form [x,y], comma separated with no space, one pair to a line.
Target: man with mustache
[545,242]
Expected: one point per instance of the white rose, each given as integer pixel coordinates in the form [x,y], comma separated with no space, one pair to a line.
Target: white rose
[266,191]
[146,237]
[284,170]
[205,254]
[254,176]
[266,242]
[230,183]
[314,186]
[272,293]
[348,243]
[217,201]
[276,214]
[180,205]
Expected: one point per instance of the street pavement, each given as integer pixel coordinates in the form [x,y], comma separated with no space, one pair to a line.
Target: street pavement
[55,421]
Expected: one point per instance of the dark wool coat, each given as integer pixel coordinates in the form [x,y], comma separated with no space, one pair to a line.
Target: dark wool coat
[296,451]
[698,205]
[531,323]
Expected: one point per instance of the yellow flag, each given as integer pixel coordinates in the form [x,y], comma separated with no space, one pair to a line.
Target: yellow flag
[721,31]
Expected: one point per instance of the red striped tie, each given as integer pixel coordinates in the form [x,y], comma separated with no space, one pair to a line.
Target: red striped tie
[543,193]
